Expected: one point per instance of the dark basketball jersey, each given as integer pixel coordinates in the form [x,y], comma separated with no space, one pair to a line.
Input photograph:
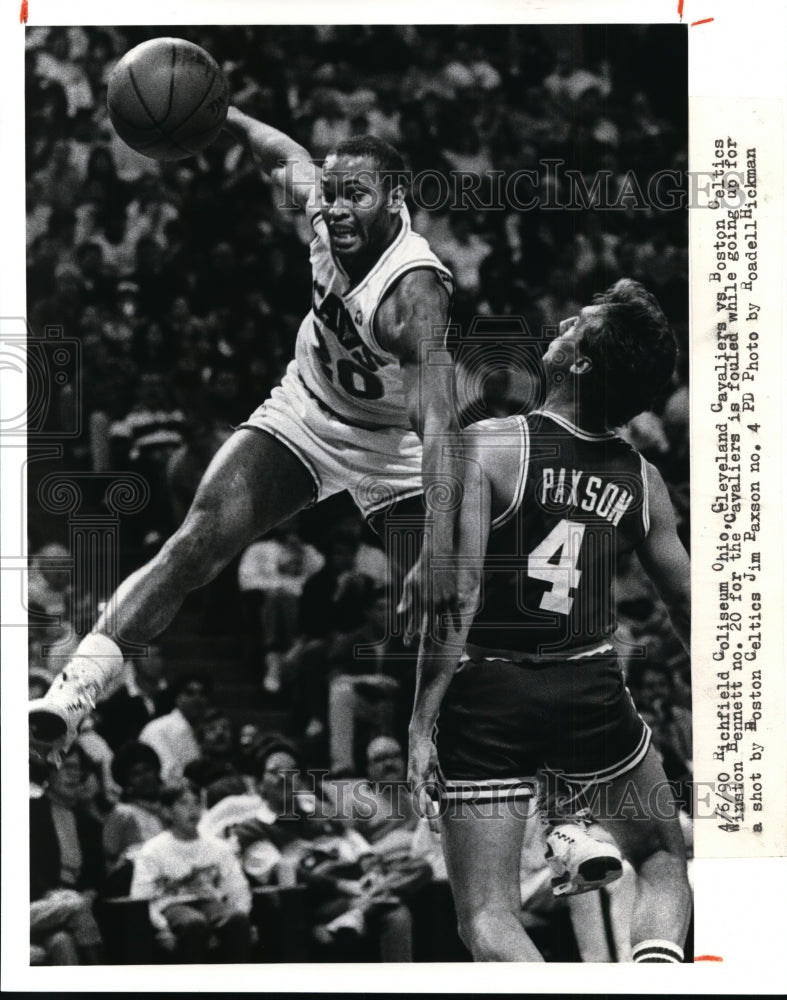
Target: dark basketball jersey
[581,500]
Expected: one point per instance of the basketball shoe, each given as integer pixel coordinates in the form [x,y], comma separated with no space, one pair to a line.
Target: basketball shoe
[53,721]
[579,862]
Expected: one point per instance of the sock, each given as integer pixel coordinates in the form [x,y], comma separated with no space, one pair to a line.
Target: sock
[657,951]
[91,671]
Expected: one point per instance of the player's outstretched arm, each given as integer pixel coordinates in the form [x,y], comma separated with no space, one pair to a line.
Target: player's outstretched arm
[411,323]
[665,560]
[439,652]
[283,159]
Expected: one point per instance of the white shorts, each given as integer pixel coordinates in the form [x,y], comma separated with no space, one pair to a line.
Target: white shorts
[378,467]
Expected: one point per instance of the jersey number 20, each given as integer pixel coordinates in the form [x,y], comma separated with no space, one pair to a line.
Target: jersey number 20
[357,381]
[555,561]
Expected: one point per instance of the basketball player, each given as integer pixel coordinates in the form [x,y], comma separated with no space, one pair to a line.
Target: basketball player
[364,406]
[529,683]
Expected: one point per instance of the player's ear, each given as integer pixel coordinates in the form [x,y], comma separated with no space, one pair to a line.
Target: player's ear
[581,365]
[396,198]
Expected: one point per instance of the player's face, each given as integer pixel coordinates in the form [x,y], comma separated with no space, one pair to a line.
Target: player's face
[564,350]
[357,208]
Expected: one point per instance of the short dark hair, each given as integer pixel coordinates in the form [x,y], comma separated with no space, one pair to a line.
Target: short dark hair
[387,160]
[170,794]
[633,351]
[277,743]
[130,754]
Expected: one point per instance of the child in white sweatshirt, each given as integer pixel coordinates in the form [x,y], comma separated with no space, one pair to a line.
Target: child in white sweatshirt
[197,890]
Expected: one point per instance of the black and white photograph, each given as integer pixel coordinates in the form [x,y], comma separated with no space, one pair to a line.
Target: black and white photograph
[358,498]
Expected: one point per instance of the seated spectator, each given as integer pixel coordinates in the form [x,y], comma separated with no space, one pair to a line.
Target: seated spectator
[187,464]
[250,740]
[652,687]
[145,438]
[391,825]
[216,738]
[101,791]
[359,689]
[331,607]
[174,736]
[271,577]
[137,818]
[65,866]
[198,893]
[349,891]
[144,695]
[49,585]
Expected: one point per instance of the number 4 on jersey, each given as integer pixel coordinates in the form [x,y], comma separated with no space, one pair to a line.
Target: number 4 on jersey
[555,561]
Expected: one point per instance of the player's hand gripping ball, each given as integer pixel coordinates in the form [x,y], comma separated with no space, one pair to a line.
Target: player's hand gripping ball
[168,98]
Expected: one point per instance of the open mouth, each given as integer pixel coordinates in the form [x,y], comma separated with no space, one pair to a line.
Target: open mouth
[342,235]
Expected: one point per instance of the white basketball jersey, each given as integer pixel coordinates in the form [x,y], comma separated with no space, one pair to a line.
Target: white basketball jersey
[336,354]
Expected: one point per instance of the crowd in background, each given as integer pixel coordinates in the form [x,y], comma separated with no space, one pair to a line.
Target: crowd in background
[184,284]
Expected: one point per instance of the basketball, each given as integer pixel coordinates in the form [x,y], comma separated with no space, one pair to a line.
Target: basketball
[167,98]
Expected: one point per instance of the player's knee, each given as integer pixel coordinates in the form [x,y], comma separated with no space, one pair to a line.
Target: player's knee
[661,841]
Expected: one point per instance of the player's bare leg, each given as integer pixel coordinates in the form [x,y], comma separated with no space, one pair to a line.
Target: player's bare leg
[483,848]
[252,484]
[654,846]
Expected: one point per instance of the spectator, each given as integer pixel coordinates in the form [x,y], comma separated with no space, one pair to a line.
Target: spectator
[652,686]
[137,818]
[153,428]
[65,866]
[55,63]
[143,441]
[100,791]
[174,736]
[142,696]
[49,581]
[464,251]
[333,617]
[217,750]
[391,825]
[195,885]
[250,740]
[271,577]
[359,689]
[346,894]
[98,281]
[187,463]
[330,598]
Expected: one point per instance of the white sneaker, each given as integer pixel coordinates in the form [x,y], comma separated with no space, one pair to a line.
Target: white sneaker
[50,730]
[579,862]
[53,721]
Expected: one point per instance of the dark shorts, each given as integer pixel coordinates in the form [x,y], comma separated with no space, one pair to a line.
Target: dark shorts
[502,723]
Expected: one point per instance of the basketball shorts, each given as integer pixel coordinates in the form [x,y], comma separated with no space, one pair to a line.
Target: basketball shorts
[504,722]
[379,467]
